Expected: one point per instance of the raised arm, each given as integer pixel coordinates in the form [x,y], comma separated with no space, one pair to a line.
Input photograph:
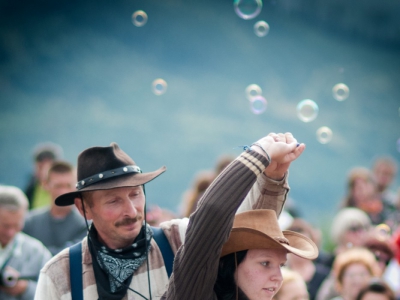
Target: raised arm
[271,188]
[196,262]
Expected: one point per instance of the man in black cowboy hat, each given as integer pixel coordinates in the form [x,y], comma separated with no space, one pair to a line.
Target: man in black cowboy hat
[120,258]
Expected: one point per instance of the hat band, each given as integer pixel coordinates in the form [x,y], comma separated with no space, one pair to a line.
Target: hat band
[106,175]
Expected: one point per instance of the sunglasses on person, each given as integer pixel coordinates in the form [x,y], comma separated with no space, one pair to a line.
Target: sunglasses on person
[356,228]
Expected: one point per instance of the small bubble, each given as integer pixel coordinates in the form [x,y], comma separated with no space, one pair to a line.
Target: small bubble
[340,92]
[252,91]
[139,18]
[324,135]
[261,28]
[159,86]
[307,110]
[247,9]
[258,105]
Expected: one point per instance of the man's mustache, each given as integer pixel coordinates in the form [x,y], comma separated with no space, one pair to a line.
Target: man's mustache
[129,221]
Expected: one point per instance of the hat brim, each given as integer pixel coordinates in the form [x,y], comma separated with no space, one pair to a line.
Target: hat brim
[127,180]
[247,238]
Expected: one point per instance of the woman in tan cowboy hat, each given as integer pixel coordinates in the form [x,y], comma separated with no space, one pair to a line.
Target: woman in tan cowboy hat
[238,257]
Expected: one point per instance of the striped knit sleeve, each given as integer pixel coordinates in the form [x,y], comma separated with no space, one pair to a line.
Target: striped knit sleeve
[196,263]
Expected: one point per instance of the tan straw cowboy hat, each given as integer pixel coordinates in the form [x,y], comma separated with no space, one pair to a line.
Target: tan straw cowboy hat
[103,168]
[259,229]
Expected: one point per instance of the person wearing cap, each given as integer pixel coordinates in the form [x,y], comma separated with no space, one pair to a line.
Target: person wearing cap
[237,257]
[120,259]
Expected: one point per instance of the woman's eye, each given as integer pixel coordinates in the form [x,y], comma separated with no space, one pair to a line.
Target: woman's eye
[283,265]
[265,263]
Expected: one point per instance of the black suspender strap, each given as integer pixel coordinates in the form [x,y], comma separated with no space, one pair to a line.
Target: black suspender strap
[75,262]
[165,247]
[75,271]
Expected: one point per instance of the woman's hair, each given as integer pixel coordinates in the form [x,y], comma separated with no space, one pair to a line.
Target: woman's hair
[288,276]
[225,286]
[346,219]
[354,256]
[377,286]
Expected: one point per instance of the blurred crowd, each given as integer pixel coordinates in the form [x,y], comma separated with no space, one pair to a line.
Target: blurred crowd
[359,256]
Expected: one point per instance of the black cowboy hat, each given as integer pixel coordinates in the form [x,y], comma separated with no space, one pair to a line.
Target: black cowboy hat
[104,168]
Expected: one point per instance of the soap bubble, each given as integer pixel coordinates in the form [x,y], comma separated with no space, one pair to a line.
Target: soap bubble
[261,28]
[252,91]
[247,9]
[324,135]
[340,92]
[159,86]
[307,110]
[398,145]
[139,18]
[258,104]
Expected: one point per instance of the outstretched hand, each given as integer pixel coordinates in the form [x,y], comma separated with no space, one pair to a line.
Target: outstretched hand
[283,149]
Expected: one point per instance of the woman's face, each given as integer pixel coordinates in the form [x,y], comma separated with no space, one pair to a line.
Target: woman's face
[355,277]
[294,290]
[259,274]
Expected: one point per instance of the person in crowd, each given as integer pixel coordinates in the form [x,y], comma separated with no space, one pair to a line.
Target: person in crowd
[57,227]
[21,256]
[379,242]
[243,261]
[155,215]
[376,289]
[44,155]
[349,228]
[312,272]
[353,269]
[120,257]
[362,192]
[293,286]
[392,271]
[385,171]
[201,182]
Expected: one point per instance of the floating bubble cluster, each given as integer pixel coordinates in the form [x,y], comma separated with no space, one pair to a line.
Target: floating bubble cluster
[261,28]
[159,86]
[307,110]
[324,135]
[340,92]
[247,9]
[139,18]
[258,105]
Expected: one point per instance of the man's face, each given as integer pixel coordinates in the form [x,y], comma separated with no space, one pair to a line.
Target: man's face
[60,183]
[11,222]
[117,214]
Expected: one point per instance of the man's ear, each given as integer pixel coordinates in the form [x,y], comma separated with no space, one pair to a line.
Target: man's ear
[78,203]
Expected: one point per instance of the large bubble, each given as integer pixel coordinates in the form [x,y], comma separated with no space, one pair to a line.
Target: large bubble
[159,86]
[307,110]
[247,9]
[340,92]
[258,105]
[139,18]
[261,28]
[252,91]
[324,135]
